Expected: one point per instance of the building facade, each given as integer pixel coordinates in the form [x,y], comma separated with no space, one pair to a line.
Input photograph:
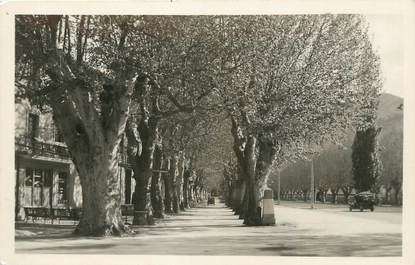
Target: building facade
[44,172]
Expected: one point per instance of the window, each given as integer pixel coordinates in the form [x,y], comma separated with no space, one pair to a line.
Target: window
[38,177]
[47,178]
[29,177]
[62,180]
[33,126]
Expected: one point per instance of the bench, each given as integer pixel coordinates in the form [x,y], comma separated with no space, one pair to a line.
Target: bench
[67,214]
[52,213]
[37,212]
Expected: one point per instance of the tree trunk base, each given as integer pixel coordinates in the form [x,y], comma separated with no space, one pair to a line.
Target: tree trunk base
[252,222]
[103,231]
[253,219]
[168,211]
[143,218]
[158,215]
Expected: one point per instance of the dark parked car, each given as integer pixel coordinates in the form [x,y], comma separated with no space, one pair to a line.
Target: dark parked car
[361,201]
[211,200]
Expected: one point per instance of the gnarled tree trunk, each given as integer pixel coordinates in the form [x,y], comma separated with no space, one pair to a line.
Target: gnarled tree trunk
[180,180]
[238,196]
[156,196]
[93,141]
[174,172]
[92,127]
[142,164]
[254,168]
[252,213]
[168,188]
[101,200]
[186,188]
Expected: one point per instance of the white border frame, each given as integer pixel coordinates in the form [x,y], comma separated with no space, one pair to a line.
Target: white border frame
[405,8]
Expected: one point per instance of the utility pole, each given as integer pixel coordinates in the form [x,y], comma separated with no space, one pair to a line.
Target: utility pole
[312,195]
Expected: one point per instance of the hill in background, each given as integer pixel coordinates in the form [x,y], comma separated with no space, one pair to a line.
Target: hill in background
[333,161]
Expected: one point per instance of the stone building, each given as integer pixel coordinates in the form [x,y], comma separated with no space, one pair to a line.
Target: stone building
[44,172]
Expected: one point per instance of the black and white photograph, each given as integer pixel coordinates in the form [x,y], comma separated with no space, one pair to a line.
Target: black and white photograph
[207,135]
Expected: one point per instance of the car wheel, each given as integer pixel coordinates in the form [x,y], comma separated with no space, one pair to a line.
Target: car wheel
[372,209]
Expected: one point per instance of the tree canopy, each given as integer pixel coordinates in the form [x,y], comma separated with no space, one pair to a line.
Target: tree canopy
[279,84]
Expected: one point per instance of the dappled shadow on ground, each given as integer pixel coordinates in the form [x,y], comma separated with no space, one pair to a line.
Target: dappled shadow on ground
[208,231]
[82,248]
[37,232]
[282,245]
[260,245]
[29,231]
[334,245]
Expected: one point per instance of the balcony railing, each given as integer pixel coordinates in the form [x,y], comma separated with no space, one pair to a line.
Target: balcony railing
[34,147]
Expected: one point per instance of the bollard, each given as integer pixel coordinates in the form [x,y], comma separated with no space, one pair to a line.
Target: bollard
[268,217]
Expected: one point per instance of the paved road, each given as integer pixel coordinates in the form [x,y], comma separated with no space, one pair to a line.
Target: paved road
[388,214]
[214,230]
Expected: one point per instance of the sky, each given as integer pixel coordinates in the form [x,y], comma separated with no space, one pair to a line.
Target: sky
[387,33]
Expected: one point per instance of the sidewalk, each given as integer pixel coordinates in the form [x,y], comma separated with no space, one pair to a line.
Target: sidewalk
[215,230]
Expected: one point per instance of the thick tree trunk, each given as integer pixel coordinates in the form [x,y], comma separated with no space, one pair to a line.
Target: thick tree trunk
[197,194]
[95,155]
[156,197]
[252,213]
[238,198]
[168,189]
[258,173]
[143,170]
[191,192]
[143,212]
[93,142]
[176,184]
[243,208]
[92,136]
[101,200]
[254,169]
[186,190]
[232,197]
[142,137]
[180,180]
[128,186]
